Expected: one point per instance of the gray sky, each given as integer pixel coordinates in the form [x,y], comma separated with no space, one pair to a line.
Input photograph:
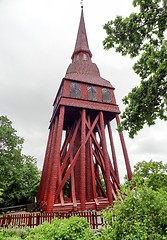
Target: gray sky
[37,39]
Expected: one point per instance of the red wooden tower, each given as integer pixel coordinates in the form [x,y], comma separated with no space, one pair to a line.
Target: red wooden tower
[78,173]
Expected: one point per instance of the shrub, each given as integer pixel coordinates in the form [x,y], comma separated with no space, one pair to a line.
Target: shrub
[142,216]
[73,228]
[14,233]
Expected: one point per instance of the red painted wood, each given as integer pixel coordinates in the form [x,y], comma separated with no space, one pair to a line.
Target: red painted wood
[34,219]
[67,174]
[50,161]
[54,173]
[45,167]
[110,108]
[92,166]
[83,162]
[70,146]
[89,190]
[106,160]
[82,157]
[65,144]
[127,162]
[73,195]
[113,151]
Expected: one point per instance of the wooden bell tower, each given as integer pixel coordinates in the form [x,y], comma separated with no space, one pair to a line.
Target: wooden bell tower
[78,173]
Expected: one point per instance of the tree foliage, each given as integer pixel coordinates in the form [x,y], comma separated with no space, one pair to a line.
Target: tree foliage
[142,215]
[152,174]
[19,176]
[143,34]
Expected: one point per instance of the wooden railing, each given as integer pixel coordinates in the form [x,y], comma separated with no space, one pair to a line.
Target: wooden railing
[27,207]
[34,219]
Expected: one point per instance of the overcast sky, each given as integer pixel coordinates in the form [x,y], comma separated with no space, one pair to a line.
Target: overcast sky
[37,39]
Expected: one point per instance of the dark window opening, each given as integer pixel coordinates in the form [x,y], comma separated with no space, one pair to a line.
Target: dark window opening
[106,95]
[75,90]
[91,93]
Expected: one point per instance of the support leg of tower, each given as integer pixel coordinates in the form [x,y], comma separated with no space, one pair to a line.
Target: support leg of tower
[55,167]
[127,163]
[106,160]
[82,168]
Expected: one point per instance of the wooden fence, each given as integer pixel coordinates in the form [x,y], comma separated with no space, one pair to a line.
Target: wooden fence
[34,219]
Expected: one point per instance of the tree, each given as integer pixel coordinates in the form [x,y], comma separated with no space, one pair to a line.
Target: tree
[142,215]
[143,34]
[143,212]
[152,174]
[1,193]
[19,176]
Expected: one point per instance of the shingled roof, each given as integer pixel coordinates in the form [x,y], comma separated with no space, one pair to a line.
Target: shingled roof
[82,69]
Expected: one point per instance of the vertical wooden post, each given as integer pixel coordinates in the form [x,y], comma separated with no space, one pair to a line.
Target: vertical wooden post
[92,166]
[73,196]
[55,166]
[113,151]
[106,160]
[127,163]
[45,167]
[51,159]
[82,159]
[89,190]
[88,178]
[37,219]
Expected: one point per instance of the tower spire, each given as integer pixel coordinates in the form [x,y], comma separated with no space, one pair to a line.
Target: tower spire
[81,44]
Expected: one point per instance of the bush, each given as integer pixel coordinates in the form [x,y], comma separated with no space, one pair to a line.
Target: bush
[142,215]
[73,228]
[15,233]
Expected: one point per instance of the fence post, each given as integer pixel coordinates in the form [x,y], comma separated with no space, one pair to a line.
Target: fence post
[29,220]
[3,221]
[93,220]
[37,219]
[9,219]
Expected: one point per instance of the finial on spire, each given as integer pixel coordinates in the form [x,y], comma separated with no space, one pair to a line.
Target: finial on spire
[81,3]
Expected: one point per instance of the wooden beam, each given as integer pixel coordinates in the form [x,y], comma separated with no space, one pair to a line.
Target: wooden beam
[92,165]
[45,167]
[55,166]
[113,151]
[106,160]
[75,159]
[73,195]
[83,161]
[127,162]
[51,159]
[70,146]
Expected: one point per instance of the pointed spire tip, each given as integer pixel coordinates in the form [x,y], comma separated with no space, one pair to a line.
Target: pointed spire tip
[81,4]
